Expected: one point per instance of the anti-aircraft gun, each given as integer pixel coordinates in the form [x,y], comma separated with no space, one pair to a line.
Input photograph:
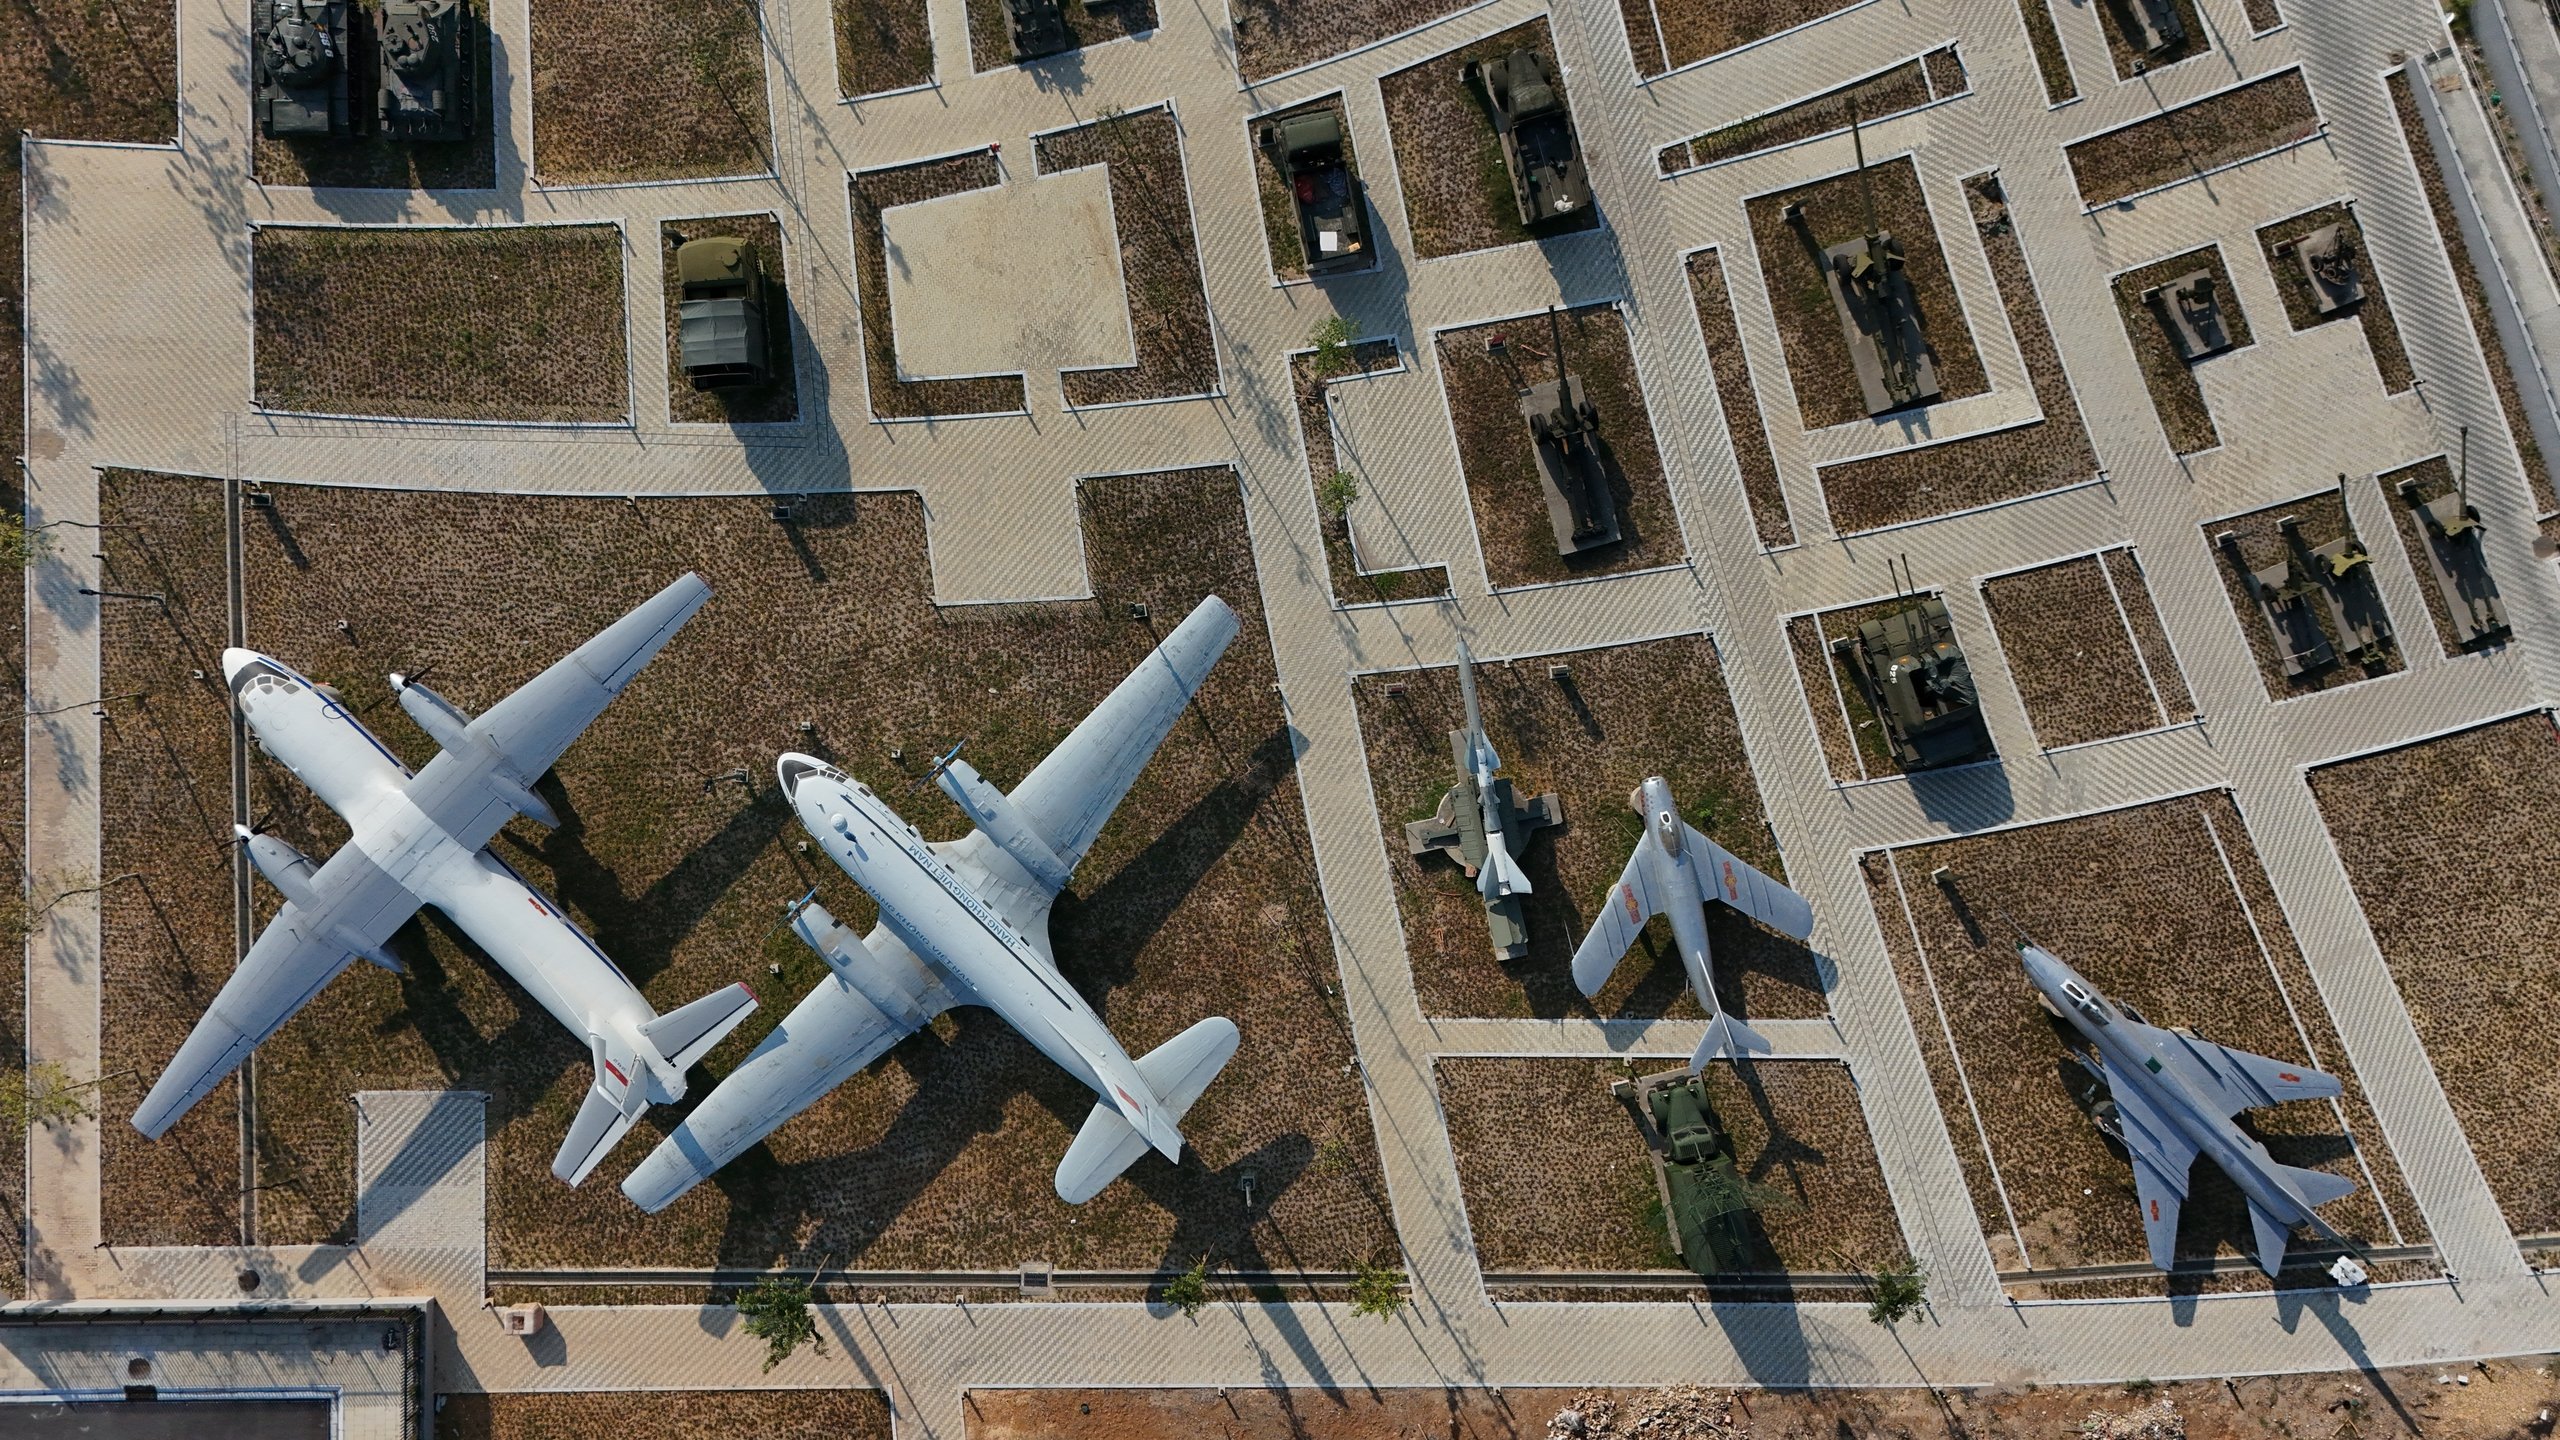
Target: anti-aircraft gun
[424,95]
[1915,679]
[1564,431]
[1481,824]
[301,66]
[1872,295]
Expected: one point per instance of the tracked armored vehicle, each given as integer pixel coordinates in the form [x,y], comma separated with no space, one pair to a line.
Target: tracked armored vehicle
[2190,309]
[1539,150]
[424,94]
[720,317]
[301,66]
[1915,679]
[1036,27]
[1333,221]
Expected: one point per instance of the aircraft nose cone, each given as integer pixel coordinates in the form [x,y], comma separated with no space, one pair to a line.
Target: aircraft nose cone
[790,769]
[235,660]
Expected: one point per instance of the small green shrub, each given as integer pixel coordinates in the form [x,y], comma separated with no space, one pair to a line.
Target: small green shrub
[1377,1291]
[777,1311]
[1188,1292]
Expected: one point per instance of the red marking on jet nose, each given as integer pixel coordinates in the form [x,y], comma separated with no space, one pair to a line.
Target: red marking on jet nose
[2155,1209]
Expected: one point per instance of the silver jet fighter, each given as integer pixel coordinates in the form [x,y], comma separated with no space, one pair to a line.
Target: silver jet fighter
[421,840]
[2175,1094]
[966,922]
[1675,872]
[1481,824]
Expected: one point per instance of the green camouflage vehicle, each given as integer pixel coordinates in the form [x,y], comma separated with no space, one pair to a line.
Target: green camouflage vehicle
[1916,680]
[425,90]
[720,317]
[1710,1206]
[301,65]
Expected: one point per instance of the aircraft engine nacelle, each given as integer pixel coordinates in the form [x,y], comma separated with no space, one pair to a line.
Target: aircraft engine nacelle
[1003,822]
[449,725]
[286,868]
[898,996]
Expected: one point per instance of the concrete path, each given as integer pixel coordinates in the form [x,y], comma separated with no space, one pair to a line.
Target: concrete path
[139,331]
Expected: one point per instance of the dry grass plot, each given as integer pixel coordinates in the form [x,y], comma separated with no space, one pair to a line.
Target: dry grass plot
[370,160]
[1916,82]
[1556,1176]
[1667,34]
[1457,193]
[2449,845]
[652,90]
[2266,114]
[1743,424]
[1826,381]
[2323,517]
[776,399]
[1500,459]
[520,322]
[1351,584]
[665,1415]
[2201,942]
[2086,649]
[1089,23]
[2048,453]
[1168,300]
[875,191]
[2175,395]
[882,45]
[2381,332]
[679,873]
[1277,36]
[2053,64]
[1655,708]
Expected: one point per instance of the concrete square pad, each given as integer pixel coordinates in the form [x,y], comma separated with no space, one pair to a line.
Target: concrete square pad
[1025,276]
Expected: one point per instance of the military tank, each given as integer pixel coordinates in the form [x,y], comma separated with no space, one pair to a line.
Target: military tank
[1539,149]
[1914,676]
[425,89]
[301,66]
[1713,1223]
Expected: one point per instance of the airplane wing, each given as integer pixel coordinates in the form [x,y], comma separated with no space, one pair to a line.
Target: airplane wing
[1724,876]
[1068,796]
[2162,1156]
[830,1036]
[535,724]
[2241,1080]
[282,971]
[1621,919]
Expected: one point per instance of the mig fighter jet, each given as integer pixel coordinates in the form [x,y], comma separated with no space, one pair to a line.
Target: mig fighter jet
[966,922]
[422,840]
[2175,1094]
[1674,872]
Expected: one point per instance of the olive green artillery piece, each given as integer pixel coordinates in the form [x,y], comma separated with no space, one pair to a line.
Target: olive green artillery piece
[1879,319]
[1573,471]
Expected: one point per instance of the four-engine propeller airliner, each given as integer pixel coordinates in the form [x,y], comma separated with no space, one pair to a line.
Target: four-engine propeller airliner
[421,840]
[967,923]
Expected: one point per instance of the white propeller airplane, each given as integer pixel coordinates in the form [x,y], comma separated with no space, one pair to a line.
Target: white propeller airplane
[421,840]
[966,922]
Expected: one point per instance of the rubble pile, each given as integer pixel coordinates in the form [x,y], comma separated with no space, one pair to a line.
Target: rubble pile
[2158,1420]
[1675,1412]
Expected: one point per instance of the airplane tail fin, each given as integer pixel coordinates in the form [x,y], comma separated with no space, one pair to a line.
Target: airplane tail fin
[685,1034]
[599,1127]
[1726,1036]
[1177,1071]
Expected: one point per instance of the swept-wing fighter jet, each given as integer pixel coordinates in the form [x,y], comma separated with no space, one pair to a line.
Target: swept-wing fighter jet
[1482,826]
[421,840]
[966,922]
[2175,1095]
[1674,872]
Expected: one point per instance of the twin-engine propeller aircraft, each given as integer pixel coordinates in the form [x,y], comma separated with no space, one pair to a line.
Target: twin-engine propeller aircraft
[966,922]
[420,840]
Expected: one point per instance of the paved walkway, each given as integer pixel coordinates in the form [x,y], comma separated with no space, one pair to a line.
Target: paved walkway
[139,347]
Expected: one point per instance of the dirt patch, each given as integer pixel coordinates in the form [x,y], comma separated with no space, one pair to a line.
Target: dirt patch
[1659,707]
[2053,63]
[164,782]
[2323,517]
[2130,60]
[2466,275]
[1168,300]
[1500,460]
[2175,395]
[2381,332]
[1743,424]
[369,160]
[875,191]
[777,398]
[1557,1177]
[2435,479]
[1852,741]
[648,90]
[2072,653]
[2183,948]
[882,45]
[2449,847]
[1826,379]
[518,322]
[1351,584]
[1088,24]
[1279,213]
[2222,129]
[1904,88]
[2049,453]
[2149,636]
[1667,34]
[666,1415]
[2264,15]
[1277,36]
[680,872]
[1457,192]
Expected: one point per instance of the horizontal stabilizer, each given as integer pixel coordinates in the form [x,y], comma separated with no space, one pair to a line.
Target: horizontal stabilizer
[2317,1187]
[599,1127]
[2273,1236]
[686,1034]
[1177,1071]
[1726,1036]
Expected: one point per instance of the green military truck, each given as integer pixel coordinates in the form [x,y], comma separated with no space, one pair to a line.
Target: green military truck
[720,318]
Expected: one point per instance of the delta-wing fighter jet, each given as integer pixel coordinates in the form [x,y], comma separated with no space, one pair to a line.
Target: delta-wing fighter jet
[966,922]
[2175,1094]
[1676,872]
[1482,826]
[422,840]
